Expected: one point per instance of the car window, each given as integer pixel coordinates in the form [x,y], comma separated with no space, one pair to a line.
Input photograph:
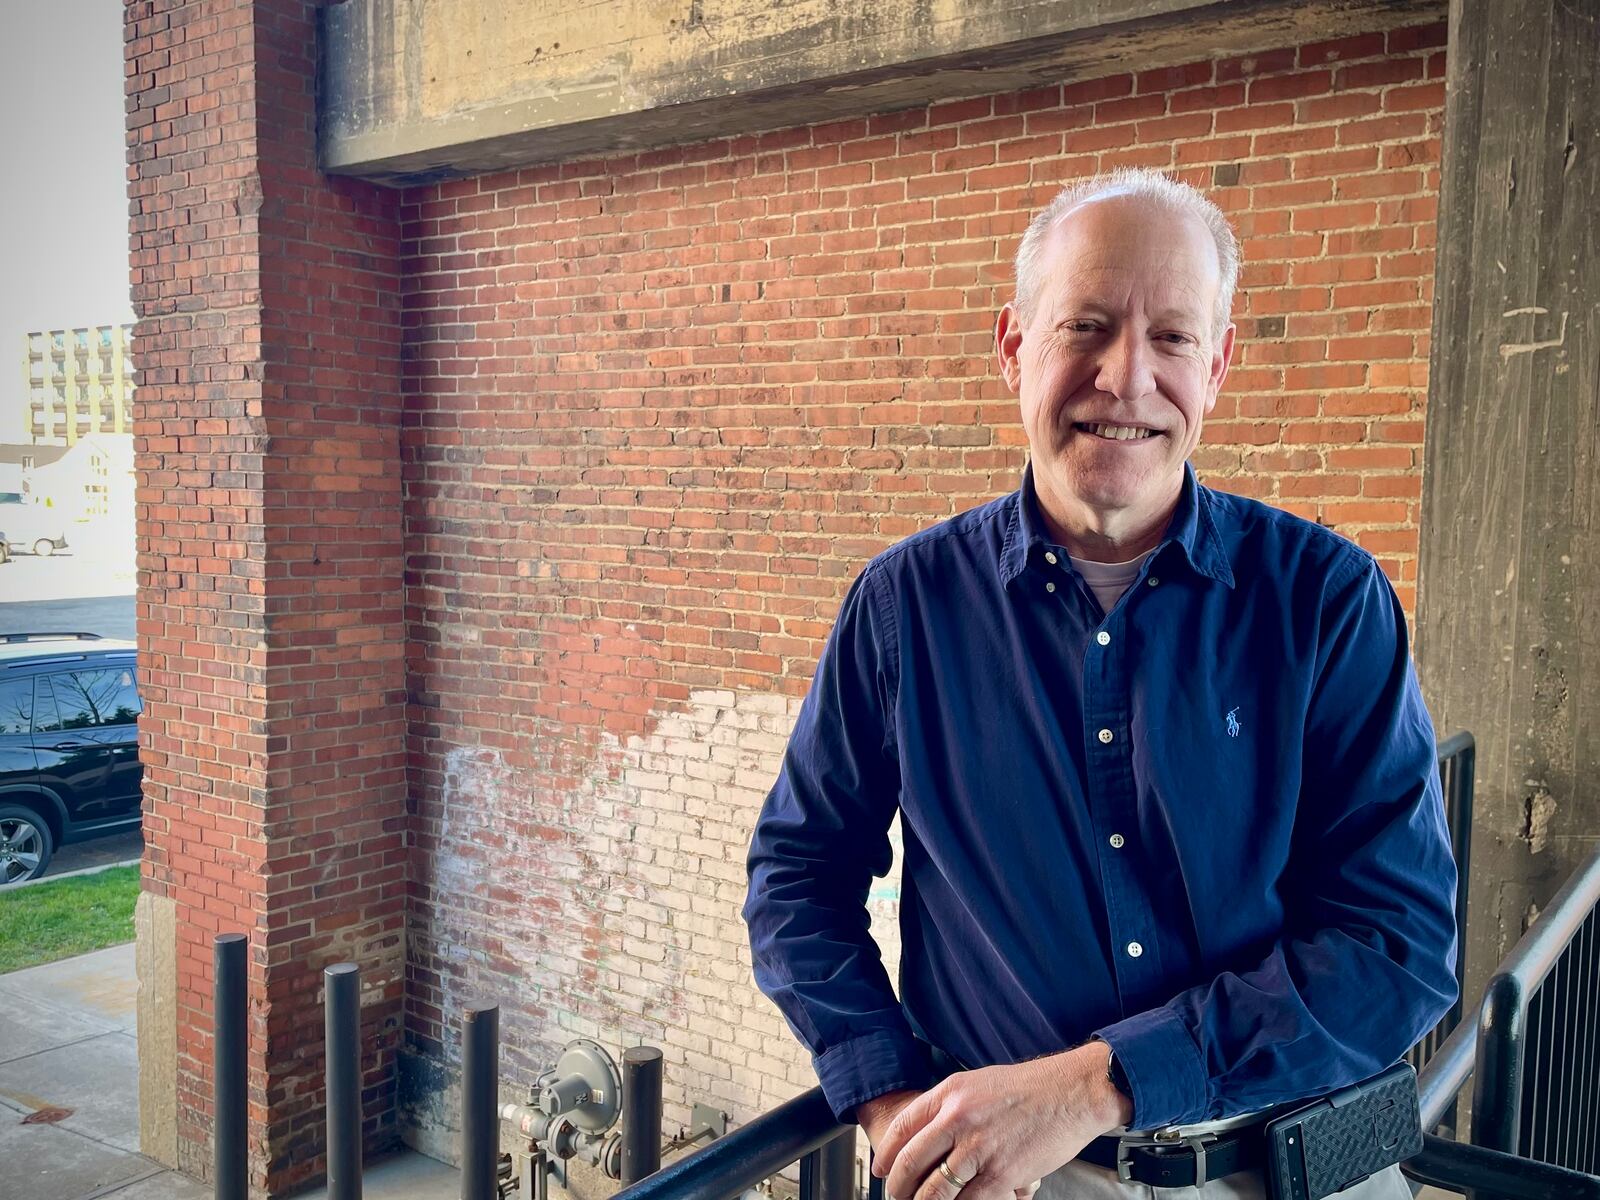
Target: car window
[45,719]
[91,699]
[16,705]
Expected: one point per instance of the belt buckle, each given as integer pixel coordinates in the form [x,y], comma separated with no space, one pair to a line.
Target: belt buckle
[1125,1145]
[1197,1144]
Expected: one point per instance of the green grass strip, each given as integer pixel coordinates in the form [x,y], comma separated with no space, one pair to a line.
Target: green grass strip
[47,921]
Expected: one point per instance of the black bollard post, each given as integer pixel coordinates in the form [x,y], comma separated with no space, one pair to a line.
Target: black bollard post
[480,1110]
[230,1161]
[641,1113]
[342,1024]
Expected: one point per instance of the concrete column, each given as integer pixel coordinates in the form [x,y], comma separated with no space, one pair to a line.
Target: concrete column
[1510,552]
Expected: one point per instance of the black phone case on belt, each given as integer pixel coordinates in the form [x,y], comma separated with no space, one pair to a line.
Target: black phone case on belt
[1339,1140]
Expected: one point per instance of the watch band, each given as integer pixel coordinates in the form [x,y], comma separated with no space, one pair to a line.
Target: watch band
[1117,1076]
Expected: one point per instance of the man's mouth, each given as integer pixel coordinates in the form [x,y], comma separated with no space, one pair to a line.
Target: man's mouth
[1116,433]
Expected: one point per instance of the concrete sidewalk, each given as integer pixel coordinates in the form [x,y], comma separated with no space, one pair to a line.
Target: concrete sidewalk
[67,1046]
[69,1060]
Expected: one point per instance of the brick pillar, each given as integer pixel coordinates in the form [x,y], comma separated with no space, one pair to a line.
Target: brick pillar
[270,606]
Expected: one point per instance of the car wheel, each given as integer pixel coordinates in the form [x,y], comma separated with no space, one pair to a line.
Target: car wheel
[44,547]
[25,844]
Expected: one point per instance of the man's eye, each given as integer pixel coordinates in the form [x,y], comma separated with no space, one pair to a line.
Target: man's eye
[1081,326]
[1177,338]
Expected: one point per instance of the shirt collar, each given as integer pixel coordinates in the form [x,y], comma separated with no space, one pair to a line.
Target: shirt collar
[1193,530]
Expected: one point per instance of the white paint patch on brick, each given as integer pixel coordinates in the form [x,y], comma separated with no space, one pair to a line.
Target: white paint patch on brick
[646,873]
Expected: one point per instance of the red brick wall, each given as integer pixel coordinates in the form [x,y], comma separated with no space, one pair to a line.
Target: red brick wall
[661,407]
[535,495]
[270,628]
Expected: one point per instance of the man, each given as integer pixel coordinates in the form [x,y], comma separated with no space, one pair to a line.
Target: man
[1174,845]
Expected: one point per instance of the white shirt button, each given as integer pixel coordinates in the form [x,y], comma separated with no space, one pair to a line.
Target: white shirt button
[1103,638]
[1049,587]
[1050,557]
[1134,949]
[1105,737]
[1152,581]
[1117,841]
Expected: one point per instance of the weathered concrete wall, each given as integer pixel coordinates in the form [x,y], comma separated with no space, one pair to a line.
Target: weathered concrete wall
[1510,597]
[413,90]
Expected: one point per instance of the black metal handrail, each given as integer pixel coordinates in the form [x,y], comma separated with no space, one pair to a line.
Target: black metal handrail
[1547,990]
[799,1129]
[1544,982]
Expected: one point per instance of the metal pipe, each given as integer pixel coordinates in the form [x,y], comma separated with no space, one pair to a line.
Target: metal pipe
[641,1113]
[743,1158]
[1461,1167]
[342,1054]
[828,1172]
[480,1116]
[230,1159]
[1445,1074]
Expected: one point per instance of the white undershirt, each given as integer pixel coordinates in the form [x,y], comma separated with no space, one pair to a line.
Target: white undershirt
[1109,580]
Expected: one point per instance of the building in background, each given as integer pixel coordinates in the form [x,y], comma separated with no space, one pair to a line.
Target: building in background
[91,479]
[78,382]
[18,460]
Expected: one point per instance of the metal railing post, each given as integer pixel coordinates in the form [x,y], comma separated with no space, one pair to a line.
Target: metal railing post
[230,1159]
[342,1024]
[641,1113]
[480,1114]
[828,1172]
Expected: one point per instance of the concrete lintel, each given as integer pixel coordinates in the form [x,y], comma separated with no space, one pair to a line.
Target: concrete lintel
[413,91]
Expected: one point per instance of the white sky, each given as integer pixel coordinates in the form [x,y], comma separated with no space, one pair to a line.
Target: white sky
[63,191]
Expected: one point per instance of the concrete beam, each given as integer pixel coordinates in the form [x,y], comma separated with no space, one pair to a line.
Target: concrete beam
[414,91]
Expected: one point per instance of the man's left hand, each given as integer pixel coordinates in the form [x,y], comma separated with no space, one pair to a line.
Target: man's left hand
[1000,1128]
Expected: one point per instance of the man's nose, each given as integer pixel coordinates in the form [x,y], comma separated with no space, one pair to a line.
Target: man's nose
[1125,367]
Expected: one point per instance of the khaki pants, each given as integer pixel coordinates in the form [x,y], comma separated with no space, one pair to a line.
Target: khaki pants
[1085,1181]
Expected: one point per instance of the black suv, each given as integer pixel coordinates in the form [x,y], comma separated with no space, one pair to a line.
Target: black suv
[69,745]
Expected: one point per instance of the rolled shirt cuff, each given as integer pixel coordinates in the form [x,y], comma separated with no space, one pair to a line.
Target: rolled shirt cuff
[1164,1068]
[856,1070]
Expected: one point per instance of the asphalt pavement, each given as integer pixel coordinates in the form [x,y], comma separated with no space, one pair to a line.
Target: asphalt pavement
[88,589]
[109,616]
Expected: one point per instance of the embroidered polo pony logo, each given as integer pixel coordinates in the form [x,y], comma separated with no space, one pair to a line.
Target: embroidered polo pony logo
[1233,723]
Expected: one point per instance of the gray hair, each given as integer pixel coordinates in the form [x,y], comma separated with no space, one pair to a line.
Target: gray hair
[1170,194]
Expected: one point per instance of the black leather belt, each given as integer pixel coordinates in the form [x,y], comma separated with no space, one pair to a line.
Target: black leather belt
[1159,1161]
[1178,1162]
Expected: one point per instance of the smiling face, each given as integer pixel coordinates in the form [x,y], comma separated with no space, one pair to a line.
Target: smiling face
[1117,367]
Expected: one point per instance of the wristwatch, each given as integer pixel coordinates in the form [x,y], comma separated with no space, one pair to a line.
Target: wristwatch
[1117,1076]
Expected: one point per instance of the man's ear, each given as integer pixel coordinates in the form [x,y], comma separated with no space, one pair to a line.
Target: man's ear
[1008,346]
[1221,360]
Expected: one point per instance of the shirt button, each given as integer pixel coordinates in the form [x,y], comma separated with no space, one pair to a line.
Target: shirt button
[1116,841]
[1049,587]
[1152,581]
[1134,949]
[1105,737]
[1103,638]
[1050,557]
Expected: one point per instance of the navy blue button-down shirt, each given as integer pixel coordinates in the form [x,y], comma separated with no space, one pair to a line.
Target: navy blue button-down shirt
[1206,826]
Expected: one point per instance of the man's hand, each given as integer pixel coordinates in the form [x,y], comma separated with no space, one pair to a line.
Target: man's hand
[1001,1128]
[876,1114]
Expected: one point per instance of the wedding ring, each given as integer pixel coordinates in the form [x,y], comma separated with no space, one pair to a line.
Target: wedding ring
[944,1169]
